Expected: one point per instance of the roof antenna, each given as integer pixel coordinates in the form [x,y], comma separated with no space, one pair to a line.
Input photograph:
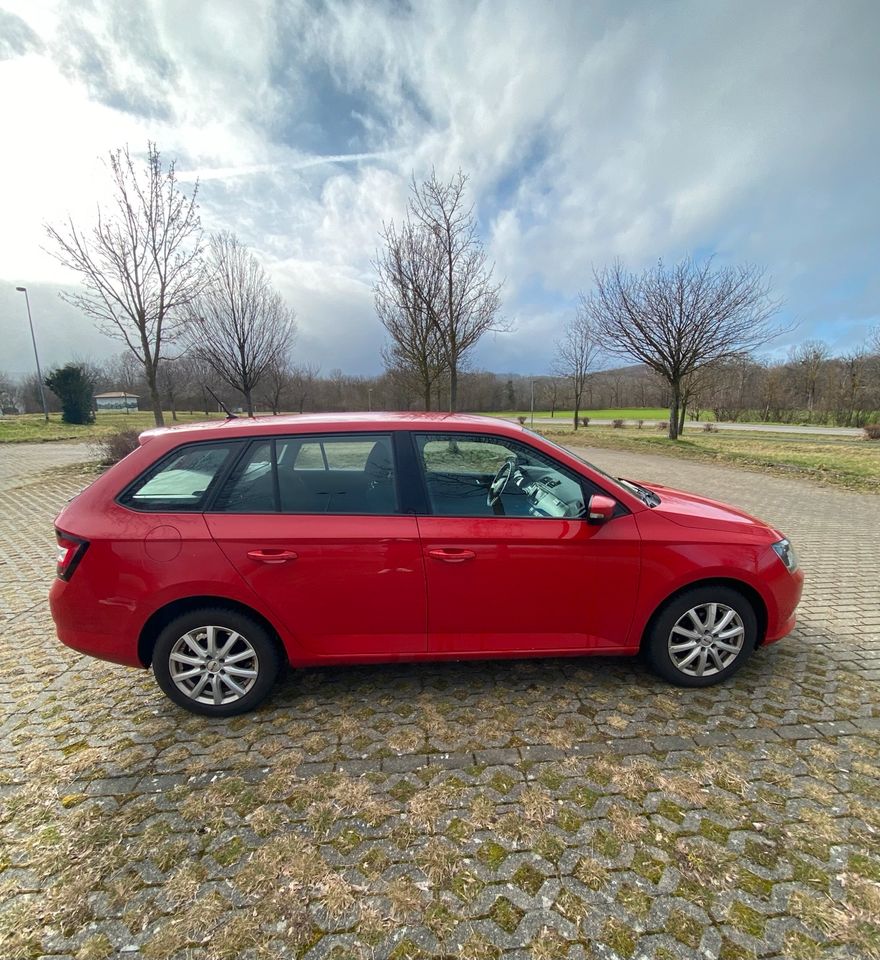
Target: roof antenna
[229,414]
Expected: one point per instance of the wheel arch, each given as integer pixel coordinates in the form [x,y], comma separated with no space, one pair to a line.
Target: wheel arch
[160,618]
[749,592]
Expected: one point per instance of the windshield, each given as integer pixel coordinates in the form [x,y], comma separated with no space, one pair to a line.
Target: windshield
[632,488]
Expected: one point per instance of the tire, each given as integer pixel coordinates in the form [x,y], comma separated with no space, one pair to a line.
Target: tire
[682,631]
[239,676]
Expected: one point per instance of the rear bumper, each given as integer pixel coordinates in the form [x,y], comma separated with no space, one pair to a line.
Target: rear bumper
[75,626]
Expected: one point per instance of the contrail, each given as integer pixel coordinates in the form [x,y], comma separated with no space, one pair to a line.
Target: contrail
[226,173]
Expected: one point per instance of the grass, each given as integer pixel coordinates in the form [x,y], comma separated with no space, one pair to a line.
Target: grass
[623,413]
[32,428]
[839,461]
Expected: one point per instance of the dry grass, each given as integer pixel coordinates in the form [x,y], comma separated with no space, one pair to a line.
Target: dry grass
[838,461]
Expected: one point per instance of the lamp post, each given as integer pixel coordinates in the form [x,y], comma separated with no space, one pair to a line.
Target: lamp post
[36,355]
[370,399]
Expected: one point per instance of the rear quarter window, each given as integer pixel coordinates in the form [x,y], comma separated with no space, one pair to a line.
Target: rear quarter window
[182,481]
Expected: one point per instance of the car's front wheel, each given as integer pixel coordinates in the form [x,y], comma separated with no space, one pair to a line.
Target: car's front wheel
[703,636]
[215,662]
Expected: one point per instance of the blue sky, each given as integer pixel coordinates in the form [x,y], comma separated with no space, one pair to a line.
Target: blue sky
[591,131]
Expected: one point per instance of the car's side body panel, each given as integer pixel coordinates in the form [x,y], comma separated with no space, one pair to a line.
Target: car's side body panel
[366,588]
[530,585]
[354,587]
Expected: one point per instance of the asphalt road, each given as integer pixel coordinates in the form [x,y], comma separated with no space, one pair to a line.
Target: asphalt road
[696,425]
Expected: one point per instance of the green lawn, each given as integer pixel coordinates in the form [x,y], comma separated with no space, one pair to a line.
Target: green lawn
[32,427]
[623,413]
[841,461]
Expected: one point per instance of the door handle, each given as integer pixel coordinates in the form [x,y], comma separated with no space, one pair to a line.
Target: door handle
[272,556]
[451,556]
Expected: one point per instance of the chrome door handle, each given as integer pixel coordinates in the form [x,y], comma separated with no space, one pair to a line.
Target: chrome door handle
[451,556]
[272,556]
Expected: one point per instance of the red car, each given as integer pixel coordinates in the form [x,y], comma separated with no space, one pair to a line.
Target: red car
[219,552]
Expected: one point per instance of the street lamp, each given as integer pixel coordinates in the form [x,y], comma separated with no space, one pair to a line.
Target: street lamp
[36,355]
[370,399]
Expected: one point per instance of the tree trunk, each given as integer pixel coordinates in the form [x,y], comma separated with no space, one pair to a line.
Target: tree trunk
[155,399]
[173,409]
[427,395]
[674,406]
[249,403]
[681,417]
[453,388]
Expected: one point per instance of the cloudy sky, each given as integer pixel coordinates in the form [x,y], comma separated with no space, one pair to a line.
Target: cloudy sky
[590,130]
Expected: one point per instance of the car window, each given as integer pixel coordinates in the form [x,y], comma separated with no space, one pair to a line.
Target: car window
[182,481]
[338,474]
[344,474]
[475,476]
[478,457]
[251,487]
[330,454]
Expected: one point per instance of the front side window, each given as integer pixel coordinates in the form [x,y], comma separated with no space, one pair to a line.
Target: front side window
[182,481]
[342,474]
[481,475]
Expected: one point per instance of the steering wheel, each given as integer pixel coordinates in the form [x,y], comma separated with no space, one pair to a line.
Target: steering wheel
[499,482]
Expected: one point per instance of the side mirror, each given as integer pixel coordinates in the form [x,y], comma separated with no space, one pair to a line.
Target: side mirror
[600,508]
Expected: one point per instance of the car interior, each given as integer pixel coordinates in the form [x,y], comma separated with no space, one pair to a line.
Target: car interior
[477,477]
[314,476]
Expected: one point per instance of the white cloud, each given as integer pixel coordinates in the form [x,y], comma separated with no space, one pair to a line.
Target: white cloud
[590,132]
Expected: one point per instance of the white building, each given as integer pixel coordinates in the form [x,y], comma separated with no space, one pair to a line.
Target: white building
[116,400]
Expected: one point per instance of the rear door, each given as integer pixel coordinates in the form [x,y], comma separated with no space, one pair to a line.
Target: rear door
[526,573]
[312,523]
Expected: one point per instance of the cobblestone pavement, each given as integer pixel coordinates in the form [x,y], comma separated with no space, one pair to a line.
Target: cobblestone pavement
[559,808]
[18,461]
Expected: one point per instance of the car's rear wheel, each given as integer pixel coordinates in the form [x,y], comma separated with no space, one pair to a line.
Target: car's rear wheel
[703,636]
[215,662]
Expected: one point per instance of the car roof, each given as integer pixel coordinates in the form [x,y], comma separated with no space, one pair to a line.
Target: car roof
[330,423]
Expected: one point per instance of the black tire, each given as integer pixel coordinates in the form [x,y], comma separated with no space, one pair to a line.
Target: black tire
[253,637]
[662,647]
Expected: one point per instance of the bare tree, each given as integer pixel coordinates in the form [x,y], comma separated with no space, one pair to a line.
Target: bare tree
[302,384]
[809,358]
[140,264]
[454,287]
[678,319]
[8,393]
[276,383]
[123,372]
[550,392]
[577,352]
[174,381]
[238,324]
[408,294]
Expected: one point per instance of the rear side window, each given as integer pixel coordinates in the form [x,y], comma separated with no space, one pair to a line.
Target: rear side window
[336,474]
[182,481]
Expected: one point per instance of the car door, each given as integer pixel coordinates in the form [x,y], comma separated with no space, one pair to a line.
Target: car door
[311,523]
[529,573]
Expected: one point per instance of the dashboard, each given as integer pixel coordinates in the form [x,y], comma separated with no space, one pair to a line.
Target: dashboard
[549,494]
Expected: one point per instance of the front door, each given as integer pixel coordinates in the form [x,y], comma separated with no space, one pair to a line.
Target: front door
[311,524]
[511,564]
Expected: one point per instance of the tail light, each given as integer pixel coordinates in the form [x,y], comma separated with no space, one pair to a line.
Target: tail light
[70,552]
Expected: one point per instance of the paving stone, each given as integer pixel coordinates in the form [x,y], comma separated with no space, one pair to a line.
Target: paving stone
[579,808]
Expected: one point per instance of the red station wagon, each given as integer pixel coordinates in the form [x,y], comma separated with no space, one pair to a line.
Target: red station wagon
[219,552]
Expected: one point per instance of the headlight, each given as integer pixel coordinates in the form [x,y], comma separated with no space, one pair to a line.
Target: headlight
[785,552]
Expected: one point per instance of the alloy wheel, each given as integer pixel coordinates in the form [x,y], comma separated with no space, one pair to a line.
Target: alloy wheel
[706,639]
[213,665]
